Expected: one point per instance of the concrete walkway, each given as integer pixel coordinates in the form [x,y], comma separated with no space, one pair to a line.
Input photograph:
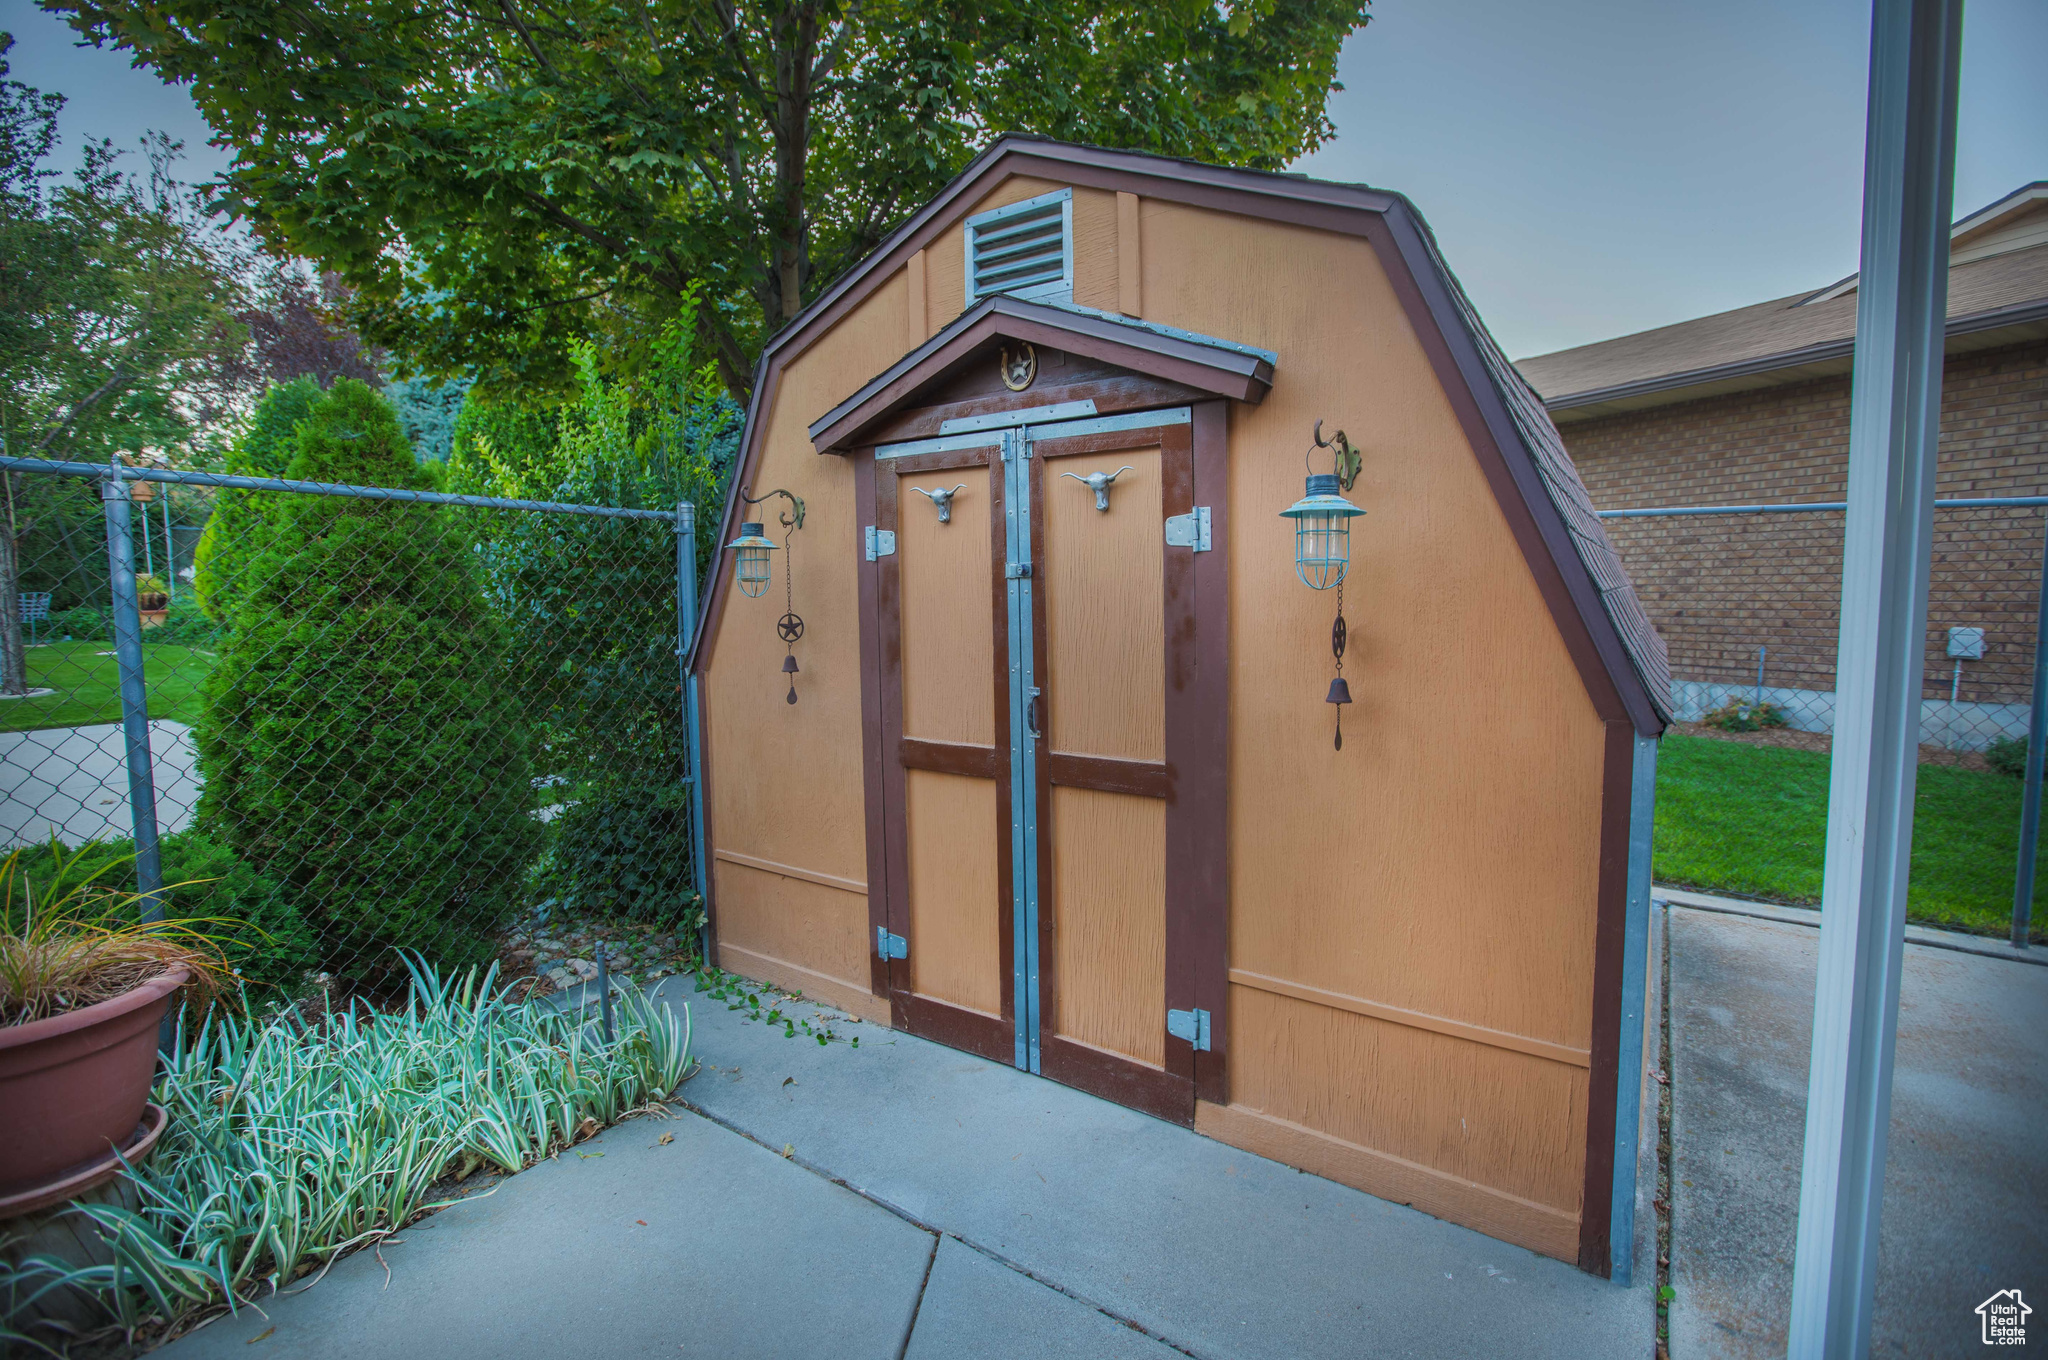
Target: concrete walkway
[904,1199]
[1966,1185]
[74,781]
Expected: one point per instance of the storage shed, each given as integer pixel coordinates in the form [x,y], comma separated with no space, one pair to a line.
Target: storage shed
[1048,770]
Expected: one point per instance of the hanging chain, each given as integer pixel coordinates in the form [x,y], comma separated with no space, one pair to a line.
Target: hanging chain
[1337,640]
[790,626]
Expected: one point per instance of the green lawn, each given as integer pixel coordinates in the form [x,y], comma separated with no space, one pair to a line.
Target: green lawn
[88,685]
[1752,821]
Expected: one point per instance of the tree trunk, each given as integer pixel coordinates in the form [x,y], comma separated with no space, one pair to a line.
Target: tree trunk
[13,656]
[795,49]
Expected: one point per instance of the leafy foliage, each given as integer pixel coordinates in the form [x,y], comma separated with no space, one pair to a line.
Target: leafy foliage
[118,294]
[592,610]
[1738,715]
[260,935]
[427,411]
[291,1144]
[623,850]
[296,331]
[497,179]
[2008,756]
[361,745]
[232,537]
[69,937]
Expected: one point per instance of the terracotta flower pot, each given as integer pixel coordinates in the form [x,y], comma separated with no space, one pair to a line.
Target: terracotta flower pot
[74,1086]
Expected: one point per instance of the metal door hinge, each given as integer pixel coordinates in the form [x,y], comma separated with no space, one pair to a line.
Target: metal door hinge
[1190,530]
[890,946]
[881,543]
[1192,1026]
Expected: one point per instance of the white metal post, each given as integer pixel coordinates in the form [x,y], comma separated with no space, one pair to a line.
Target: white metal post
[1895,414]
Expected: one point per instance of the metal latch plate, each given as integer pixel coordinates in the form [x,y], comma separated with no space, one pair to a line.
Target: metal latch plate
[890,946]
[881,543]
[1192,1026]
[1190,530]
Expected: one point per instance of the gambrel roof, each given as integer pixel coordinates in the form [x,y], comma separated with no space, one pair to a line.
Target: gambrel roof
[1539,491]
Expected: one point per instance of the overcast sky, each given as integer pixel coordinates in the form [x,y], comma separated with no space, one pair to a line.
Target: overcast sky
[1592,167]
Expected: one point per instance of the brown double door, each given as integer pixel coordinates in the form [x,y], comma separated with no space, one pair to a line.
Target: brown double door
[1029,822]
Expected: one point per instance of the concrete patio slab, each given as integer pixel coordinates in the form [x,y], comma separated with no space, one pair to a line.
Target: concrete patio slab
[1966,1185]
[901,1199]
[622,1246]
[1213,1250]
[74,781]
[974,1306]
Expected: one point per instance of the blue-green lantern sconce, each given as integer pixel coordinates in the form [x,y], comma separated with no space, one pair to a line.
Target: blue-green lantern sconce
[751,549]
[750,553]
[1322,544]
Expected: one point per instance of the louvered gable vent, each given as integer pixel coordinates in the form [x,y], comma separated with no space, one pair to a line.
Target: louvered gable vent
[1025,249]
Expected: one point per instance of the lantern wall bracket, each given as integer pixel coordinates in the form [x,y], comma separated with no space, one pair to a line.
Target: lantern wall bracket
[1190,530]
[1350,461]
[792,518]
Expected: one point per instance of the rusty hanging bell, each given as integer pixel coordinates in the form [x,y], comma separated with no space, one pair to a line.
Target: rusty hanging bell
[789,669]
[1340,691]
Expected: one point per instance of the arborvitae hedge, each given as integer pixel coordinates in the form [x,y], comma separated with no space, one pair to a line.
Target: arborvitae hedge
[240,519]
[360,744]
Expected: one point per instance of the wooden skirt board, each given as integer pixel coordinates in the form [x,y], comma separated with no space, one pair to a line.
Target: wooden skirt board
[1025,656]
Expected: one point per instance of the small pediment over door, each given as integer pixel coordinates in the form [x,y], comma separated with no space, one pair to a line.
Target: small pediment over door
[1003,355]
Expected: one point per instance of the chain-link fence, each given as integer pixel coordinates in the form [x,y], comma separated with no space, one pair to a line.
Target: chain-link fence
[377,720]
[1747,599]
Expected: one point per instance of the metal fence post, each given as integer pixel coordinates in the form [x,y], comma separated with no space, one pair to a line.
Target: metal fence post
[2037,737]
[1894,421]
[686,623]
[149,875]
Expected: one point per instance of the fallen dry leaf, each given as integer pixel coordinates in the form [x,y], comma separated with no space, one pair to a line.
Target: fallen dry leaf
[789,1149]
[260,1336]
[641,1221]
[666,1138]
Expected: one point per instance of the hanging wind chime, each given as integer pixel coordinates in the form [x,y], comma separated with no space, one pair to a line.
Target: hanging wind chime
[751,551]
[1322,544]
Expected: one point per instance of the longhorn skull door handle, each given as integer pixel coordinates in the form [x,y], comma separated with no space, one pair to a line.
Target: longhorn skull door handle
[1099,483]
[943,499]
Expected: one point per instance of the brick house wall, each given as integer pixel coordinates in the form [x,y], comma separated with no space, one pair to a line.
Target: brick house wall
[1720,587]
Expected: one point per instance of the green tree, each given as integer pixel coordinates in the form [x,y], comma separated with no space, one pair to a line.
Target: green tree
[428,411]
[591,604]
[361,744]
[497,177]
[237,527]
[117,332]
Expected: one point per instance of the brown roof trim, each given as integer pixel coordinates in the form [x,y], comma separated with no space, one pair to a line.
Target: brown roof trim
[1218,368]
[1620,654]
[1555,501]
[2020,314]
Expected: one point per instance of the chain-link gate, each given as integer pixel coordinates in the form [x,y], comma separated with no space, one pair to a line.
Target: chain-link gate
[1748,601]
[357,720]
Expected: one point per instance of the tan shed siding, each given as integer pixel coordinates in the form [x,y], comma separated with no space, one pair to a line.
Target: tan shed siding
[785,780]
[1446,861]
